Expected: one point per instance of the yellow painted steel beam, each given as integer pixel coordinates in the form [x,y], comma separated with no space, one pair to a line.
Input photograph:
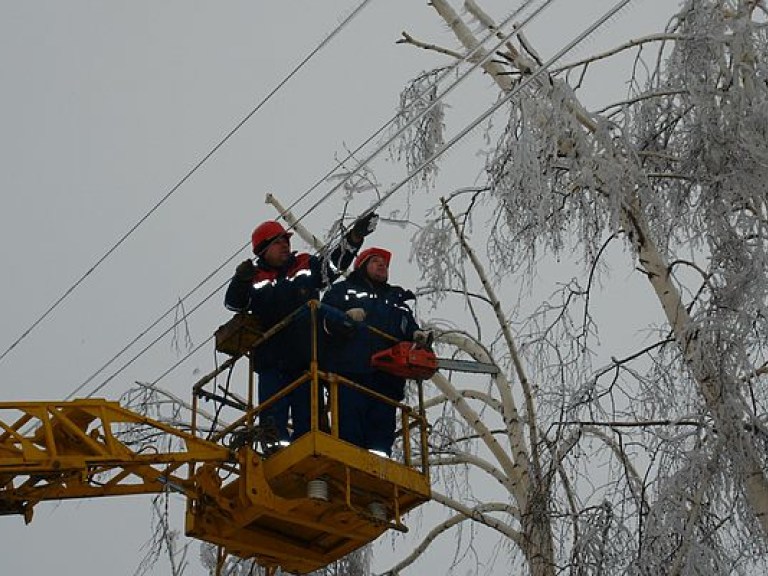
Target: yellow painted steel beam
[251,505]
[266,511]
[61,450]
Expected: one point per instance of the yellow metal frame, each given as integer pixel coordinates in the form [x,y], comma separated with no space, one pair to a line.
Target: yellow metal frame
[269,514]
[249,504]
[60,450]
[409,417]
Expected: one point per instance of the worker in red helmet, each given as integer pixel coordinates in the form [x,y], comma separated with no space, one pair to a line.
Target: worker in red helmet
[367,298]
[271,288]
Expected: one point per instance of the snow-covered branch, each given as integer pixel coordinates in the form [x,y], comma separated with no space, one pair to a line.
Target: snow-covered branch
[479,513]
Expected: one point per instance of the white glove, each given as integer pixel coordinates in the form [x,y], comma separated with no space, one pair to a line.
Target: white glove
[423,337]
[356,314]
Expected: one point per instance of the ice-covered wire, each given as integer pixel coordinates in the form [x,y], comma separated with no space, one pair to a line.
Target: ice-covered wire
[186,177]
[445,74]
[482,117]
[511,94]
[501,41]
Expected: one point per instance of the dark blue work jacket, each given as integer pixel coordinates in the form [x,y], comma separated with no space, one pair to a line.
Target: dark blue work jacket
[276,292]
[386,309]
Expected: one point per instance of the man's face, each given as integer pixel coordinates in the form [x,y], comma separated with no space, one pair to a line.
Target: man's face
[377,269]
[278,252]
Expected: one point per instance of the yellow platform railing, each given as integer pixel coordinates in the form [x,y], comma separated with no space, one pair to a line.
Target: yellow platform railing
[272,511]
[323,384]
[299,508]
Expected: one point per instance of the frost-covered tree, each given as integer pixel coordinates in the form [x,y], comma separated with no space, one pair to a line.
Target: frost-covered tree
[585,454]
[607,461]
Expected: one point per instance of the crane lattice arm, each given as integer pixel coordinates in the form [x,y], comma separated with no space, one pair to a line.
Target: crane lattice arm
[300,508]
[88,448]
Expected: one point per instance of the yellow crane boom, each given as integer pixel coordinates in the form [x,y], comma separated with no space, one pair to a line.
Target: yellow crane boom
[61,450]
[300,508]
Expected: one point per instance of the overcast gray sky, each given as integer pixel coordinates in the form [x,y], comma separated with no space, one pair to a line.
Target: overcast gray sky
[107,105]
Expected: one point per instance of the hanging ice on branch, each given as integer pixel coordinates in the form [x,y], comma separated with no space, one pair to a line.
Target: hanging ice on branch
[423,138]
[553,180]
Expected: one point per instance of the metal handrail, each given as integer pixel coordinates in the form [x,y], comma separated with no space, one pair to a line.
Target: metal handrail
[315,375]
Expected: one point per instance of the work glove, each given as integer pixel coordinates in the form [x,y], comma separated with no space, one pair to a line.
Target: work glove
[343,329]
[365,225]
[245,271]
[424,338]
[356,314]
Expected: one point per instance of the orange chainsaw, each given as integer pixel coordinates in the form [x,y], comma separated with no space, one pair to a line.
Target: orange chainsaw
[408,360]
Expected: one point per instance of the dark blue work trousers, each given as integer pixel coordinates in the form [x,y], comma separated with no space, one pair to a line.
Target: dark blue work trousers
[296,403]
[367,421]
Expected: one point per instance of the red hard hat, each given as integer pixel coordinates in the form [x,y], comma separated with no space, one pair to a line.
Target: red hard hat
[368,252]
[265,233]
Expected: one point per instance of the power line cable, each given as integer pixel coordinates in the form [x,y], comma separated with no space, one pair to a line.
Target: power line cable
[448,71]
[511,94]
[469,127]
[157,339]
[148,328]
[447,91]
[186,177]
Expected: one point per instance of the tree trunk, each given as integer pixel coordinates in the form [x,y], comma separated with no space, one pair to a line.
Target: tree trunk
[716,391]
[537,532]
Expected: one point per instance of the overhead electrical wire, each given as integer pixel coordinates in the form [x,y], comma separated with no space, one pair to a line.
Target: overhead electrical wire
[147,330]
[156,340]
[468,57]
[620,5]
[445,73]
[481,118]
[186,177]
[517,29]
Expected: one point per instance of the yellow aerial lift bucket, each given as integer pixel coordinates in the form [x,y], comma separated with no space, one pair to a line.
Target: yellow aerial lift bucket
[317,499]
[300,508]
